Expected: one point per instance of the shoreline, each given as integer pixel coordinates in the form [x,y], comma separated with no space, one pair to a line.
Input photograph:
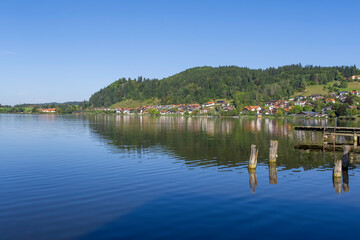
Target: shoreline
[192,116]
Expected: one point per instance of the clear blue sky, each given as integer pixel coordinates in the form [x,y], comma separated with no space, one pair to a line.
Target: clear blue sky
[66,50]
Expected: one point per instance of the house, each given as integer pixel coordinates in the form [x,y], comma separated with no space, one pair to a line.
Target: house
[354,92]
[355,77]
[300,103]
[310,114]
[328,100]
[315,97]
[270,103]
[102,109]
[281,103]
[48,110]
[300,98]
[208,104]
[325,109]
[194,106]
[256,109]
[352,107]
[343,93]
[180,112]
[204,111]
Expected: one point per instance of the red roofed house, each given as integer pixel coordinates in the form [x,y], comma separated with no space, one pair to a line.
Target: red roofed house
[354,92]
[330,100]
[48,110]
[253,109]
[355,77]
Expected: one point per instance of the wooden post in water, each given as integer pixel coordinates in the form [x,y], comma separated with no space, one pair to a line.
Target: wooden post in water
[272,173]
[253,157]
[273,151]
[346,157]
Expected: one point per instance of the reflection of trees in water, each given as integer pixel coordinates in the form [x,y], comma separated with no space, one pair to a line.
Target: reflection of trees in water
[208,141]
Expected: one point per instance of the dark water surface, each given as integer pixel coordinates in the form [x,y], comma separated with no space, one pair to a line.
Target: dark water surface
[113,177]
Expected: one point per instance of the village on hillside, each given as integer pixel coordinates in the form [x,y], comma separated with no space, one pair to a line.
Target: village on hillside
[344,103]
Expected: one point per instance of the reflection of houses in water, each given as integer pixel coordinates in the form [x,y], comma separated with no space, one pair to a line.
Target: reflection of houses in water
[300,135]
[210,126]
[279,128]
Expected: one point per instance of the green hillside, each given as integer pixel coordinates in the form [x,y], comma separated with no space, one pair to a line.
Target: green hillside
[319,88]
[243,85]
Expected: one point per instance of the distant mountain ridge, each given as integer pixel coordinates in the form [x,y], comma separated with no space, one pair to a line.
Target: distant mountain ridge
[201,84]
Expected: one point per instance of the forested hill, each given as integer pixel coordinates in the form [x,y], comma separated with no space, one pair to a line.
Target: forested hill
[201,84]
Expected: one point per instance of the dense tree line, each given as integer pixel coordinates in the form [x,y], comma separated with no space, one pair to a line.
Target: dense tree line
[61,108]
[202,84]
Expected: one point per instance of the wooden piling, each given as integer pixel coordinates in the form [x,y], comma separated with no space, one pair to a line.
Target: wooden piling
[273,151]
[253,157]
[272,173]
[346,157]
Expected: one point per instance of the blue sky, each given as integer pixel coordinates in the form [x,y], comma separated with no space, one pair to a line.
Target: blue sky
[66,50]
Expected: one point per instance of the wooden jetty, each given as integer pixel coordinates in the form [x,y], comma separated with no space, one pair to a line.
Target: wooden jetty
[328,129]
[329,133]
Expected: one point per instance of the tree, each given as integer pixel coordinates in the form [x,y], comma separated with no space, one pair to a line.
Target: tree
[296,109]
[341,110]
[307,108]
[35,109]
[280,112]
[343,84]
[349,100]
[153,112]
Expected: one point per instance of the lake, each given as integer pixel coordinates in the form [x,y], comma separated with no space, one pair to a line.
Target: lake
[128,177]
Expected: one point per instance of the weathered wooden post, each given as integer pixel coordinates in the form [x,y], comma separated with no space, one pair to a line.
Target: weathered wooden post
[346,157]
[345,186]
[325,139]
[272,173]
[273,151]
[355,140]
[253,157]
[252,179]
[332,138]
[337,168]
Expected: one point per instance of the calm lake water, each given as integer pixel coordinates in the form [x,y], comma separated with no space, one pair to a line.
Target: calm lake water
[122,177]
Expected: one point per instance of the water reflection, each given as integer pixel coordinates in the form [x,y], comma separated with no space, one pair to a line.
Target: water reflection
[208,141]
[272,173]
[337,184]
[215,142]
[345,186]
[252,179]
